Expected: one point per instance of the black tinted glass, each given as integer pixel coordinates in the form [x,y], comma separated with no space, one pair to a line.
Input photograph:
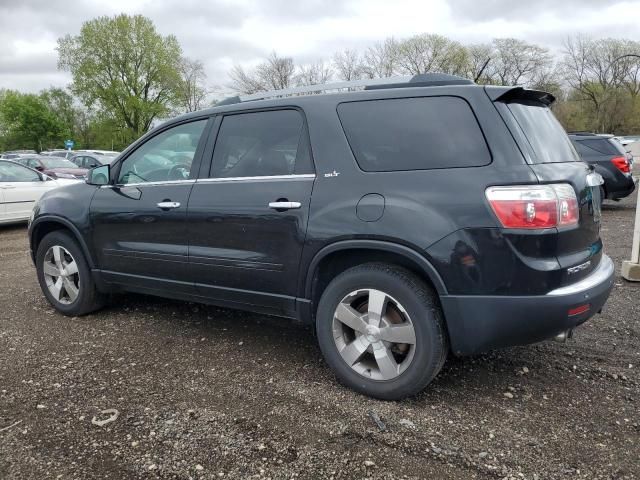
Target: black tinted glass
[413,134]
[603,146]
[546,136]
[261,144]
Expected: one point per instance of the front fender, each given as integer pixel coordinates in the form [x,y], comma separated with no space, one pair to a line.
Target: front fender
[66,207]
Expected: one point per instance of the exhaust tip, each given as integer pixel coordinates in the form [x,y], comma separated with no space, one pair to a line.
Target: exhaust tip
[562,337]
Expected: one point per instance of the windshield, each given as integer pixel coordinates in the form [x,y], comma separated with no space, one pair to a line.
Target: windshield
[55,162]
[546,136]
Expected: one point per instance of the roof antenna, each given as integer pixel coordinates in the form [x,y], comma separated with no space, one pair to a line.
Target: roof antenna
[475,80]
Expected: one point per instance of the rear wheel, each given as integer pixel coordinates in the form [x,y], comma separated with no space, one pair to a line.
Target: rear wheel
[380,329]
[65,277]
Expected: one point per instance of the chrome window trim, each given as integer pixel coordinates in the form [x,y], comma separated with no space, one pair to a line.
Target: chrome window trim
[302,176]
[149,184]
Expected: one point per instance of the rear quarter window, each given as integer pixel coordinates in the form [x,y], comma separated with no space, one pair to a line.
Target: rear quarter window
[413,134]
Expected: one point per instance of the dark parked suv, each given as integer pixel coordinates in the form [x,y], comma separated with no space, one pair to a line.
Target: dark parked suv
[610,160]
[404,221]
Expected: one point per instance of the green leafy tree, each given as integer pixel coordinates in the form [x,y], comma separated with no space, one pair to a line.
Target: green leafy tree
[125,68]
[61,103]
[28,122]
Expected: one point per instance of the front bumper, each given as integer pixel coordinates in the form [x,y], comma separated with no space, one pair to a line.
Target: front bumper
[480,323]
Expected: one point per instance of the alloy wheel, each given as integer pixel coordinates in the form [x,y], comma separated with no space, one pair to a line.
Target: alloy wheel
[374,334]
[61,274]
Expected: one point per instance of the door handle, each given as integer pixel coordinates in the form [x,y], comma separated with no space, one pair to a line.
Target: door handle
[7,187]
[284,205]
[168,205]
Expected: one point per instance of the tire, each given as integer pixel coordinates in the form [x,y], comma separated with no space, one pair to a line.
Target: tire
[78,294]
[408,302]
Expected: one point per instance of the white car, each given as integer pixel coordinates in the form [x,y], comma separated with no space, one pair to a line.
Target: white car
[21,188]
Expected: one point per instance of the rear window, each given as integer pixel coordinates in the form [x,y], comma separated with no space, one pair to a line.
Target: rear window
[605,146]
[413,134]
[549,141]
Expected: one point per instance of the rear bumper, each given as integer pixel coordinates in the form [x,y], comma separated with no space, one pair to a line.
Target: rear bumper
[621,189]
[480,323]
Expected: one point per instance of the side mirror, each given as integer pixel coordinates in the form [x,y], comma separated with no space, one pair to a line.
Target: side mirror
[99,175]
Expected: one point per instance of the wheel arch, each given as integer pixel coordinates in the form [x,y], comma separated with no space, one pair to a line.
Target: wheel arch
[49,223]
[337,257]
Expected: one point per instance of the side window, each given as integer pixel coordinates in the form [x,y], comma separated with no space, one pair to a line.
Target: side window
[10,172]
[413,134]
[261,144]
[165,157]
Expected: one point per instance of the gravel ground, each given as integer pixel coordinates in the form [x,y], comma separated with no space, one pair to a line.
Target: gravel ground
[204,392]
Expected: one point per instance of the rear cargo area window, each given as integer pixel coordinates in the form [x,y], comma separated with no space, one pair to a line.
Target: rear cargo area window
[413,134]
[547,138]
[603,146]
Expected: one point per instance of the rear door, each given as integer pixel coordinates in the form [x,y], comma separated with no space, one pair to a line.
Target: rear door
[248,213]
[552,157]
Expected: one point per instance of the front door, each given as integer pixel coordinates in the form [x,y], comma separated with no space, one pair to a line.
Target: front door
[139,222]
[248,219]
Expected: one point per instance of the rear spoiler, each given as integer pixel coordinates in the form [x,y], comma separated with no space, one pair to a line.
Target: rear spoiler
[512,94]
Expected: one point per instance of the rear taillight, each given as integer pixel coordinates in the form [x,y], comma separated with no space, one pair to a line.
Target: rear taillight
[534,206]
[621,164]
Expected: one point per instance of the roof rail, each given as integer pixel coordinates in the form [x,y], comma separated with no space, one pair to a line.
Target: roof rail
[423,80]
[322,88]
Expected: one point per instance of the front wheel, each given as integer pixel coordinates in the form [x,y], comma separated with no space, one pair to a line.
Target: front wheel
[380,329]
[65,277]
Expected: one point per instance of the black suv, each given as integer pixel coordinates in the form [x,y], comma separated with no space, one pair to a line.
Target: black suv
[610,160]
[403,221]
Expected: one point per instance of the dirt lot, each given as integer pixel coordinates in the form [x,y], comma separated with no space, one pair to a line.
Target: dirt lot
[209,393]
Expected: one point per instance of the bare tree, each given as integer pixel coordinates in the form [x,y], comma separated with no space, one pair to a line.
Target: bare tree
[192,91]
[313,74]
[245,82]
[599,72]
[515,61]
[629,63]
[380,60]
[274,73]
[478,56]
[431,53]
[277,72]
[348,65]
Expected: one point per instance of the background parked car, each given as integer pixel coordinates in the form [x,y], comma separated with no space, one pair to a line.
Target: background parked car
[610,160]
[91,160]
[59,153]
[53,166]
[111,153]
[628,140]
[20,188]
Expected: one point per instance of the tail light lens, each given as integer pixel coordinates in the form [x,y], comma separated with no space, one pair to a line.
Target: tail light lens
[534,206]
[621,164]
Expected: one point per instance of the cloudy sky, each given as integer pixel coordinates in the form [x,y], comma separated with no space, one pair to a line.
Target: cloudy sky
[222,33]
